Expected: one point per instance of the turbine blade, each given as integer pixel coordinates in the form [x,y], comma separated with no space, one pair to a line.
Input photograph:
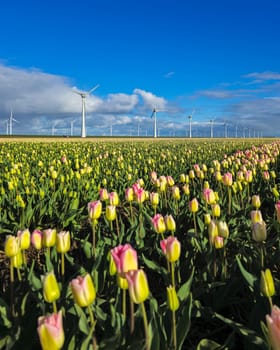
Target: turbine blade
[94,88]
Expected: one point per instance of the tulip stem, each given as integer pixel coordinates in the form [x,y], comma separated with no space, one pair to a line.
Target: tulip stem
[54,307]
[18,273]
[172,274]
[229,200]
[132,323]
[93,239]
[194,223]
[145,321]
[62,265]
[174,333]
[124,302]
[12,279]
[91,317]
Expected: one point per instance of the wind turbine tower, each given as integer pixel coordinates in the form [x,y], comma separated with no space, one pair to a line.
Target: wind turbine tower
[72,127]
[154,115]
[190,124]
[84,95]
[10,122]
[211,128]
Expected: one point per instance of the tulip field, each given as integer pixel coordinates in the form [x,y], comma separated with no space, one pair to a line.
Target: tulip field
[151,244]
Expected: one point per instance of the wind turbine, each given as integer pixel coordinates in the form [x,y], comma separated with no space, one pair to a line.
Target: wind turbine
[211,128]
[154,114]
[10,122]
[72,127]
[84,95]
[190,121]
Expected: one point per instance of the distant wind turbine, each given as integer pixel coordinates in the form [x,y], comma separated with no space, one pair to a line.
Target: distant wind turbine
[154,115]
[211,128]
[190,125]
[84,95]
[72,127]
[10,123]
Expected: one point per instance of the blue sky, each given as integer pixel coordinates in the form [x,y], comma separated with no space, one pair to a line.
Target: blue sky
[217,60]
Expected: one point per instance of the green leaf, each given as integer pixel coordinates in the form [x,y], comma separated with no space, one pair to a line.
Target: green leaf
[185,289]
[207,344]
[251,279]
[152,265]
[184,323]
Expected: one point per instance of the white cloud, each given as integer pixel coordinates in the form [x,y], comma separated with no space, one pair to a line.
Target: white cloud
[150,100]
[261,76]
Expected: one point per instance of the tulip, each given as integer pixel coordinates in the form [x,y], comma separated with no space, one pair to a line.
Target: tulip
[83,290]
[256,202]
[267,283]
[11,246]
[216,210]
[223,229]
[273,325]
[193,205]
[212,231]
[154,199]
[24,239]
[207,219]
[171,247]
[122,282]
[125,258]
[111,213]
[172,298]
[17,260]
[114,199]
[153,176]
[94,210]
[182,178]
[137,285]
[275,192]
[49,237]
[50,288]
[218,242]
[158,224]
[36,239]
[103,194]
[170,181]
[259,231]
[129,194]
[186,189]
[63,242]
[209,196]
[140,195]
[256,216]
[227,179]
[176,192]
[191,174]
[170,223]
[50,331]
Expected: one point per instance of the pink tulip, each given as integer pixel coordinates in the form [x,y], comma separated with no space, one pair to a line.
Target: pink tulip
[277,207]
[125,258]
[137,285]
[273,325]
[103,194]
[36,239]
[171,247]
[50,331]
[158,223]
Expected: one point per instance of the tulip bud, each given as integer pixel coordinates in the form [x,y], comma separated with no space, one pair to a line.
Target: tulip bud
[182,178]
[140,195]
[207,219]
[153,176]
[11,246]
[273,326]
[154,198]
[94,210]
[114,198]
[227,179]
[223,230]
[193,205]
[103,194]
[112,265]
[256,216]
[129,194]
[267,283]
[125,258]
[216,210]
[186,189]
[24,239]
[259,231]
[176,192]
[50,331]
[275,192]
[256,202]
[111,213]
[49,237]
[63,242]
[170,223]
[172,298]
[137,285]
[171,247]
[158,223]
[122,282]
[50,288]
[212,231]
[209,196]
[170,181]
[83,290]
[218,176]
[37,239]
[218,242]
[17,260]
